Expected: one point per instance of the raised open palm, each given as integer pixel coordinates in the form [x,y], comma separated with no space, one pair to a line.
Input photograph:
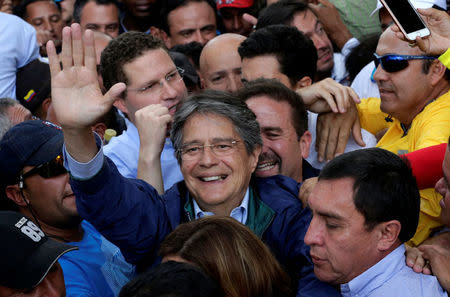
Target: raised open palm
[76,95]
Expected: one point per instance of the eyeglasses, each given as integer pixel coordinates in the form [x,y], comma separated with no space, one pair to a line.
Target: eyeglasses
[47,170]
[220,149]
[155,87]
[393,63]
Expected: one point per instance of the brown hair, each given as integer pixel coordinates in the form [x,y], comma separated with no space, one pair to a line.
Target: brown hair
[231,254]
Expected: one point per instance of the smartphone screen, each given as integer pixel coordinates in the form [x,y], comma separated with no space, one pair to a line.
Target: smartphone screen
[405,15]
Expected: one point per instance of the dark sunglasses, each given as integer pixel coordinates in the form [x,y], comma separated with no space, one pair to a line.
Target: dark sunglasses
[47,170]
[393,63]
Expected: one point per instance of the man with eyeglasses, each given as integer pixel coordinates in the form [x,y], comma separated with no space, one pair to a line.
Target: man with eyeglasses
[142,62]
[217,142]
[414,107]
[36,184]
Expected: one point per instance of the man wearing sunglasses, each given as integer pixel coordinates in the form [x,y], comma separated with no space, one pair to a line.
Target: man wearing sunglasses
[36,184]
[414,107]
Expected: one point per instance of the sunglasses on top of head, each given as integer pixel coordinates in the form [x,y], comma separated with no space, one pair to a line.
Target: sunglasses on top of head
[393,63]
[50,169]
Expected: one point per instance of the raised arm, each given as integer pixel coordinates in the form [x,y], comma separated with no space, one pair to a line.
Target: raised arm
[76,96]
[439,24]
[151,122]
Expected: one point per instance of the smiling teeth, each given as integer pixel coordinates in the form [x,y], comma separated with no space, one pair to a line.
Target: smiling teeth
[212,178]
[266,166]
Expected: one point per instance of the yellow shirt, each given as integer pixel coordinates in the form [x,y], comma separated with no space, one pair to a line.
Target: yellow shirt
[429,127]
[445,58]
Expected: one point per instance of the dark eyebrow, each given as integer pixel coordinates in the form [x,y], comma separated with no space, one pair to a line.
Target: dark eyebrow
[186,31]
[328,215]
[271,129]
[208,27]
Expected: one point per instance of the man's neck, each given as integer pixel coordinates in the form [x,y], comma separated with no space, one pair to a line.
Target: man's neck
[436,92]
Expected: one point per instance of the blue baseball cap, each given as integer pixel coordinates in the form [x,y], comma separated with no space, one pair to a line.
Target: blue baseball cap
[31,143]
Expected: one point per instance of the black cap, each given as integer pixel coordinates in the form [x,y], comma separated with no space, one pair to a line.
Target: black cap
[26,253]
[33,84]
[29,143]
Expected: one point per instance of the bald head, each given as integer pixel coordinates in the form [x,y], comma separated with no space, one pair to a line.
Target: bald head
[220,63]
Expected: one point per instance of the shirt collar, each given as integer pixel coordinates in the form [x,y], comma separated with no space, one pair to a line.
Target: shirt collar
[239,213]
[377,275]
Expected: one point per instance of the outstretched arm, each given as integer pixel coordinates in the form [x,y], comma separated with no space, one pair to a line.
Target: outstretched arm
[76,96]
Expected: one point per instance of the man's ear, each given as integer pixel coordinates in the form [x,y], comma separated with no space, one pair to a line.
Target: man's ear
[99,128]
[388,234]
[13,193]
[305,81]
[436,72]
[305,143]
[166,38]
[120,104]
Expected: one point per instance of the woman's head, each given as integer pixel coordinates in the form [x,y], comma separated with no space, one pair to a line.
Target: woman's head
[230,253]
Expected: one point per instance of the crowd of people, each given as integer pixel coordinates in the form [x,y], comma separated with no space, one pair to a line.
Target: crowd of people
[238,148]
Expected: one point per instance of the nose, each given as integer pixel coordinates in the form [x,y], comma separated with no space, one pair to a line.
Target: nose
[235,83]
[313,236]
[237,22]
[318,41]
[198,36]
[169,92]
[208,158]
[380,74]
[47,26]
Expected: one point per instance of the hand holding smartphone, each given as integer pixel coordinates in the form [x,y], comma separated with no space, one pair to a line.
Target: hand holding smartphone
[407,18]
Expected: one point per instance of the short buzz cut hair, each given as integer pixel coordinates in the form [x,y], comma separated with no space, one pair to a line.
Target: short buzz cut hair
[169,5]
[294,51]
[80,4]
[278,92]
[384,187]
[281,12]
[21,9]
[122,50]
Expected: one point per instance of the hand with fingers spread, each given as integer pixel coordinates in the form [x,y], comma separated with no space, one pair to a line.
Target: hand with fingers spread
[328,95]
[152,122]
[439,24]
[76,96]
[333,131]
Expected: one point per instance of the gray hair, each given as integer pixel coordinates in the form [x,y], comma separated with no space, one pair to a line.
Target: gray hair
[222,104]
[5,122]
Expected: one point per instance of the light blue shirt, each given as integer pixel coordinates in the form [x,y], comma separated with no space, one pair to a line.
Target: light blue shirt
[391,277]
[123,150]
[18,48]
[239,213]
[97,268]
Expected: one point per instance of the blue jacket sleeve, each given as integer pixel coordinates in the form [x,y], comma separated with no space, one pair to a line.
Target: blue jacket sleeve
[128,212]
[286,237]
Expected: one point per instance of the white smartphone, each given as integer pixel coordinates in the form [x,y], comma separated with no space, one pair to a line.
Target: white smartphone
[407,18]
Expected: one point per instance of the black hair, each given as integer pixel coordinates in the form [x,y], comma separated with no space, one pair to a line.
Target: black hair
[172,279]
[281,12]
[294,51]
[278,92]
[169,5]
[384,187]
[79,5]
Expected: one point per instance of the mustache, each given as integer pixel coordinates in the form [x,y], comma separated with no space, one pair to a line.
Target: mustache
[269,156]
